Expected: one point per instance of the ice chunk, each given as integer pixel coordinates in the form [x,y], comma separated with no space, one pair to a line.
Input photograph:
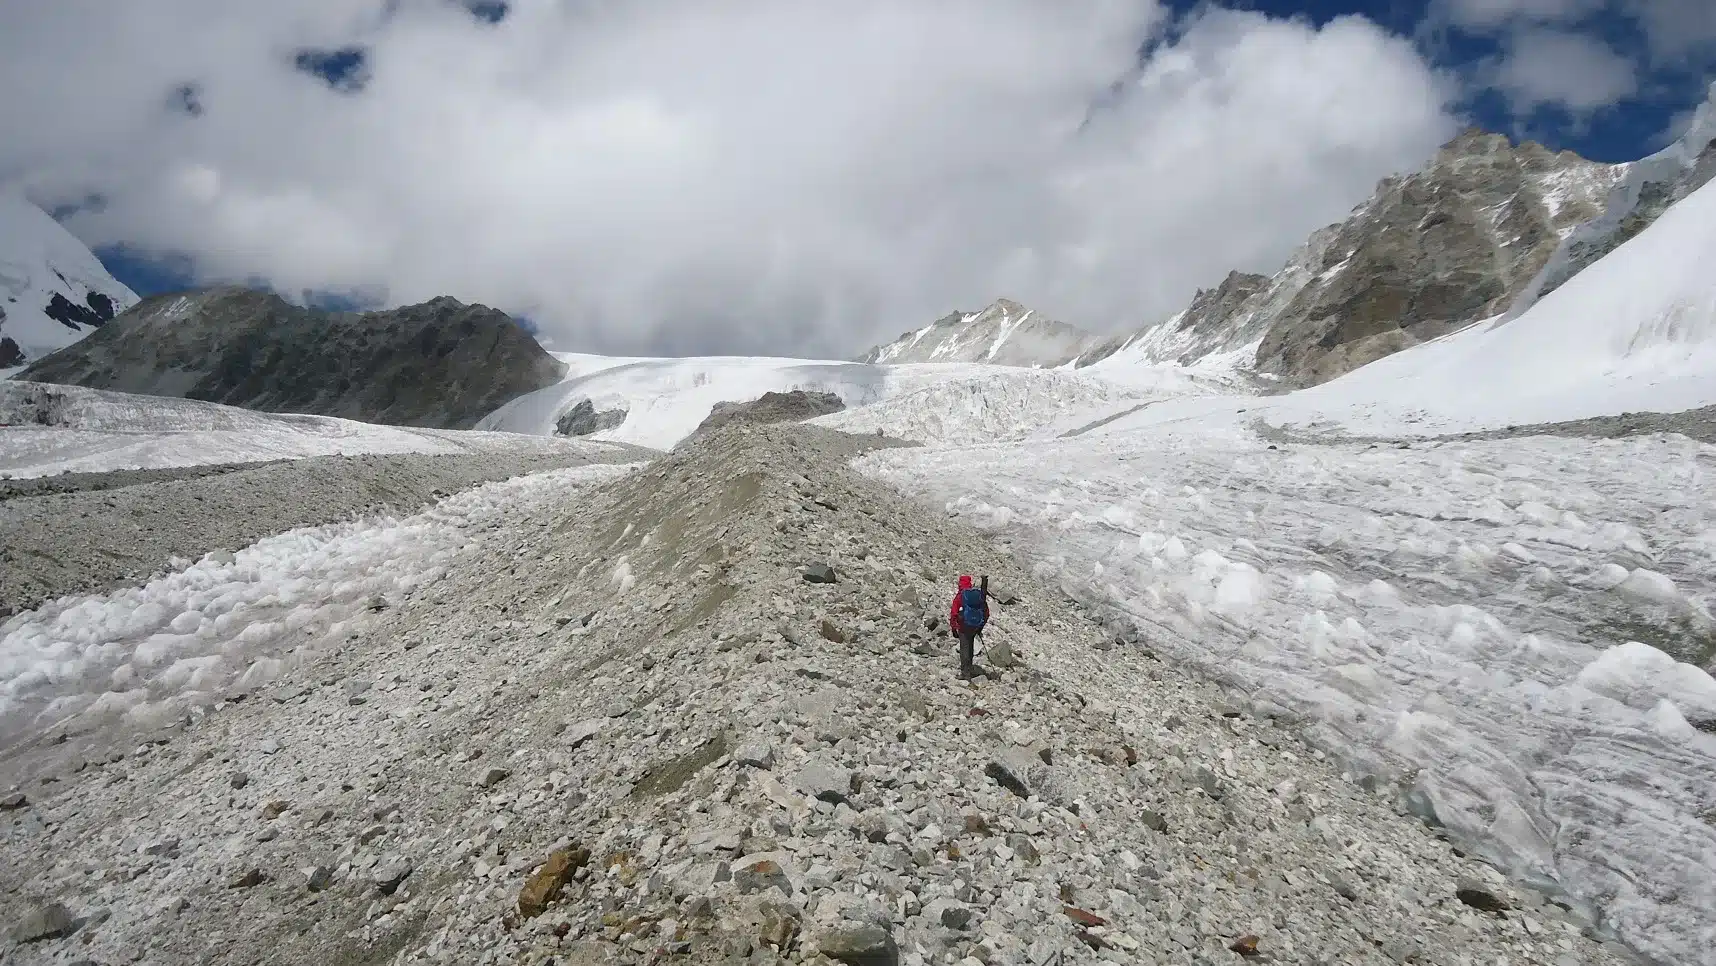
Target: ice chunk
[1637,675]
[1240,589]
[1316,585]
[1648,586]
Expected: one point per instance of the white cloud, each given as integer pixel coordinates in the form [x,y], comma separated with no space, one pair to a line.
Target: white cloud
[762,175]
[1489,14]
[1544,66]
[1677,29]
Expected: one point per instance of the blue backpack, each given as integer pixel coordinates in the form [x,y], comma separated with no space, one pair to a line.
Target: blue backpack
[972,613]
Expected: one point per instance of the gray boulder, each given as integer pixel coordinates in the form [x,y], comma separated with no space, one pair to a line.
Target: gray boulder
[584,419]
[772,407]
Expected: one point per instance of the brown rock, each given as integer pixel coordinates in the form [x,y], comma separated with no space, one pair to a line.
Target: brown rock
[1475,895]
[247,879]
[543,885]
[1083,918]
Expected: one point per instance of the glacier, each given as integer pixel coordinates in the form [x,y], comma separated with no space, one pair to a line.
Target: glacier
[1512,634]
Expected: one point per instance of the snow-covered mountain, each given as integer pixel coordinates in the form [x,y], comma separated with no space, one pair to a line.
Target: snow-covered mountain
[1006,334]
[53,290]
[1429,253]
[1645,190]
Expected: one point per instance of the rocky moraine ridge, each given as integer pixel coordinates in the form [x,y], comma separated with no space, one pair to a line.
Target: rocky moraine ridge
[706,713]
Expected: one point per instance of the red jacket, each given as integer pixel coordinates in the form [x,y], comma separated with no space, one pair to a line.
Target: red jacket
[953,609]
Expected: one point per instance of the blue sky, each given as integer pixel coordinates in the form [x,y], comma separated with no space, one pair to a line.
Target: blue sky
[765,175]
[1629,129]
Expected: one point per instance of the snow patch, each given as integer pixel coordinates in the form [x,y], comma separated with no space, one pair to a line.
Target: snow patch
[148,655]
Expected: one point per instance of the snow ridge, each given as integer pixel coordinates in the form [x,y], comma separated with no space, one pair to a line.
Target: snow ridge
[1679,168]
[53,290]
[1006,333]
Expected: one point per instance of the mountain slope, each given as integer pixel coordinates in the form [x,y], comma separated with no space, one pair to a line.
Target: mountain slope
[53,290]
[1646,189]
[1427,254]
[440,364]
[1006,334]
[1636,331]
[1200,330]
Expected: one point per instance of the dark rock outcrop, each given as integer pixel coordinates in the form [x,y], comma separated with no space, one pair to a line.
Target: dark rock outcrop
[773,407]
[96,311]
[584,419]
[439,364]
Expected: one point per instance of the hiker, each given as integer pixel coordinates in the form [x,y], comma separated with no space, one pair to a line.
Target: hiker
[966,617]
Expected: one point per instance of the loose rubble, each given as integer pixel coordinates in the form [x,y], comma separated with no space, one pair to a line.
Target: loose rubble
[690,771]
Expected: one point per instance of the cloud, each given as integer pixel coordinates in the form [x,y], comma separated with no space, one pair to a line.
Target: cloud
[1675,33]
[1678,30]
[1490,14]
[672,175]
[1578,72]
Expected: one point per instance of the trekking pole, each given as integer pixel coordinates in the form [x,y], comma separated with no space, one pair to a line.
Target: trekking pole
[984,583]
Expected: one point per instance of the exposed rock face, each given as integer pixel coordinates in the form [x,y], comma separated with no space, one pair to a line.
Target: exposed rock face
[583,419]
[1429,253]
[440,364]
[1006,334]
[773,407]
[1204,327]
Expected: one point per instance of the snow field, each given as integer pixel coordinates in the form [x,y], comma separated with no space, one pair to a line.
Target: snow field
[1475,619]
[975,404]
[1003,405]
[1635,331]
[149,655]
[666,399]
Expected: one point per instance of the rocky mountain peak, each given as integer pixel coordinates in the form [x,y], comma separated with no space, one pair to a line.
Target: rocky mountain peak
[1429,252]
[439,364]
[1006,333]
